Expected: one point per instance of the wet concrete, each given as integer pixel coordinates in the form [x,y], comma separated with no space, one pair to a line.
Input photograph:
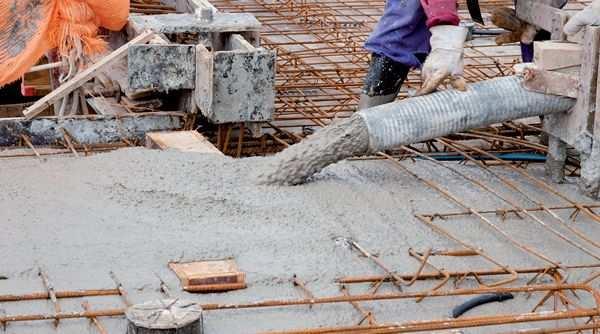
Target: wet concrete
[134,210]
[340,140]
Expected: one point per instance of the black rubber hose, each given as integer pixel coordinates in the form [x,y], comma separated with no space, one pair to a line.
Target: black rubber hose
[480,300]
[489,32]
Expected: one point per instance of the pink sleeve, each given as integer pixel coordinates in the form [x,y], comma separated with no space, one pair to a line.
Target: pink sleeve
[440,12]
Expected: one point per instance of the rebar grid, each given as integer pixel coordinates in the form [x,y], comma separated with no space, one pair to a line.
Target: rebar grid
[559,272]
[54,296]
[321,66]
[321,62]
[320,70]
[559,288]
[514,207]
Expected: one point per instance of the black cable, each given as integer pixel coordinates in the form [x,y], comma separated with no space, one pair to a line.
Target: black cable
[480,300]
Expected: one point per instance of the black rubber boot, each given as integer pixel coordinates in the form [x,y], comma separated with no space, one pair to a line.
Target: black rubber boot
[383,81]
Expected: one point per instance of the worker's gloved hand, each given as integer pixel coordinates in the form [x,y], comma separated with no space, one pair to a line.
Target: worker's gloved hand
[445,60]
[518,31]
[590,15]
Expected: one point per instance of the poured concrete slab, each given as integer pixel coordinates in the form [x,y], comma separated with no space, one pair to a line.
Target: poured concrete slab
[135,210]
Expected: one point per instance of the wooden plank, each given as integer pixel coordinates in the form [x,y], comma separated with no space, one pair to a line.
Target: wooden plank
[554,83]
[45,67]
[208,276]
[542,15]
[204,91]
[553,55]
[142,105]
[13,110]
[185,141]
[83,76]
[36,83]
[107,106]
[590,161]
[575,127]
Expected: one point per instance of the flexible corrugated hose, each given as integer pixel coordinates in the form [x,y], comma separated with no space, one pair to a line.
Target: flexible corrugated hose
[484,103]
[410,121]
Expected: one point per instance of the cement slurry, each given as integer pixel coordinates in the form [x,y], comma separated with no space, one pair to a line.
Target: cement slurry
[294,165]
[132,211]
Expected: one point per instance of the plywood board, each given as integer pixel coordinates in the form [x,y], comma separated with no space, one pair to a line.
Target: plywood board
[107,106]
[552,55]
[554,83]
[211,275]
[185,141]
[575,127]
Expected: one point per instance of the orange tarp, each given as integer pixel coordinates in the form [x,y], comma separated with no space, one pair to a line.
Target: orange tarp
[30,28]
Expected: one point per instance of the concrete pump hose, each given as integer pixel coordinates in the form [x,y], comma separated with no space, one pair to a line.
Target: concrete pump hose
[410,121]
[450,111]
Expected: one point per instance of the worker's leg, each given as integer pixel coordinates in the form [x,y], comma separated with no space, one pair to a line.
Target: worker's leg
[527,49]
[398,43]
[383,81]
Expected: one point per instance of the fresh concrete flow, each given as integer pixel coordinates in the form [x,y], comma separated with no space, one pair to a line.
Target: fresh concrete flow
[411,121]
[341,140]
[132,211]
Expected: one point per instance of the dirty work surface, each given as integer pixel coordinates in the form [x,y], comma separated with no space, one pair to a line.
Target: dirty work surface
[134,210]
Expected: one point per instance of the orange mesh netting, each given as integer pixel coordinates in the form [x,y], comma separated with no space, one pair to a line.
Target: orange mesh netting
[29,28]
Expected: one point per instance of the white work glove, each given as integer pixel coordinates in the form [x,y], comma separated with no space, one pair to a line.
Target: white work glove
[445,60]
[590,15]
